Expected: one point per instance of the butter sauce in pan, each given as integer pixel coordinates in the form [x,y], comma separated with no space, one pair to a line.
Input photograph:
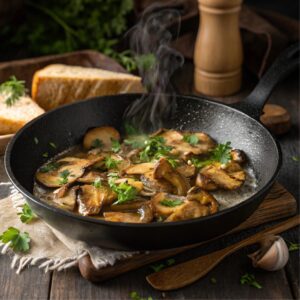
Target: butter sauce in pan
[164,177]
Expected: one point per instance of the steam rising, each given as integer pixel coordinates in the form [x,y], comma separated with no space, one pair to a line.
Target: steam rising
[149,41]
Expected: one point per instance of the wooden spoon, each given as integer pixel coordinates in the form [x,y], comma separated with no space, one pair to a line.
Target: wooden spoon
[188,272]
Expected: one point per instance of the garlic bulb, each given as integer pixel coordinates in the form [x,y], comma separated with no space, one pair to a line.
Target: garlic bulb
[273,254]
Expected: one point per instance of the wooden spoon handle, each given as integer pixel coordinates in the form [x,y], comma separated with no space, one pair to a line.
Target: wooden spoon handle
[188,272]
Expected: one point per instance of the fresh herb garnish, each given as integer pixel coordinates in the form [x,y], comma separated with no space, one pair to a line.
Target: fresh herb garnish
[293,246]
[296,158]
[155,148]
[97,182]
[124,191]
[115,146]
[250,280]
[146,61]
[111,163]
[136,141]
[213,280]
[53,145]
[64,177]
[18,241]
[171,202]
[13,89]
[46,154]
[52,166]
[192,139]
[135,296]
[220,154]
[158,267]
[97,143]
[36,140]
[27,215]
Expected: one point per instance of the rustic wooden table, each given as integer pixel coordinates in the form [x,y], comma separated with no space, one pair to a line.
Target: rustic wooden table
[32,283]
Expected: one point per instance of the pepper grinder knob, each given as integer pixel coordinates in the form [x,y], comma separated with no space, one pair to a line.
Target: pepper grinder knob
[218,52]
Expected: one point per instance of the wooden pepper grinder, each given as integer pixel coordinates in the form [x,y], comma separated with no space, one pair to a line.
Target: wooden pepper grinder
[218,50]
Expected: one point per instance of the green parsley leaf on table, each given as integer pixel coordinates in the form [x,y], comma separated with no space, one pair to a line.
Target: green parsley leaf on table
[19,242]
[64,177]
[36,140]
[13,90]
[135,296]
[115,145]
[293,246]
[192,139]
[27,215]
[250,280]
[296,158]
[171,202]
[53,145]
[45,155]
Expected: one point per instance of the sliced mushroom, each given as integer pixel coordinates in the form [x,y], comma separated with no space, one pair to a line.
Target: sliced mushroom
[220,177]
[90,177]
[189,210]
[68,200]
[143,215]
[127,206]
[235,171]
[68,171]
[122,163]
[204,198]
[163,169]
[238,156]
[176,140]
[186,170]
[91,199]
[205,183]
[140,168]
[100,137]
[156,185]
[161,210]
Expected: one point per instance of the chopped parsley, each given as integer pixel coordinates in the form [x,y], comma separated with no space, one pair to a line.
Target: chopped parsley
[293,246]
[155,148]
[124,191]
[27,215]
[171,202]
[250,280]
[46,154]
[18,241]
[111,163]
[97,143]
[220,154]
[135,296]
[36,140]
[213,280]
[64,177]
[13,89]
[52,166]
[52,145]
[192,139]
[296,158]
[115,145]
[97,183]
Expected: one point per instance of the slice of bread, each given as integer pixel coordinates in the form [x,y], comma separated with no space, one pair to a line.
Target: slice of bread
[56,85]
[12,118]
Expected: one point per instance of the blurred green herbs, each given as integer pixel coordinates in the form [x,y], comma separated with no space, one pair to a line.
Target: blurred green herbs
[59,26]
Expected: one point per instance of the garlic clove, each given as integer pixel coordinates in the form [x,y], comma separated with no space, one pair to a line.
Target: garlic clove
[273,254]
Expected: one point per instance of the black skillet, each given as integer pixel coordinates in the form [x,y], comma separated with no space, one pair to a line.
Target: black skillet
[66,126]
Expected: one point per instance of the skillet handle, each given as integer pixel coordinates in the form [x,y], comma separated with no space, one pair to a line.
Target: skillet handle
[286,62]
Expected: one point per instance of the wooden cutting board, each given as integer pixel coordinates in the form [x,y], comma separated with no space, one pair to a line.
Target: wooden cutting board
[278,204]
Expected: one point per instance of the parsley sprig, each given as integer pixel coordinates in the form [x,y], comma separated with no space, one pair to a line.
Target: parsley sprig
[18,241]
[13,89]
[111,163]
[115,146]
[220,154]
[52,166]
[27,215]
[192,139]
[64,177]
[171,202]
[250,280]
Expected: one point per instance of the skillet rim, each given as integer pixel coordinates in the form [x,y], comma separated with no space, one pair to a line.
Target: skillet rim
[87,219]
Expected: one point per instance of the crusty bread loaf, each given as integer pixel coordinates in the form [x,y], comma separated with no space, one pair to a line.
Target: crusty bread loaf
[12,118]
[56,85]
